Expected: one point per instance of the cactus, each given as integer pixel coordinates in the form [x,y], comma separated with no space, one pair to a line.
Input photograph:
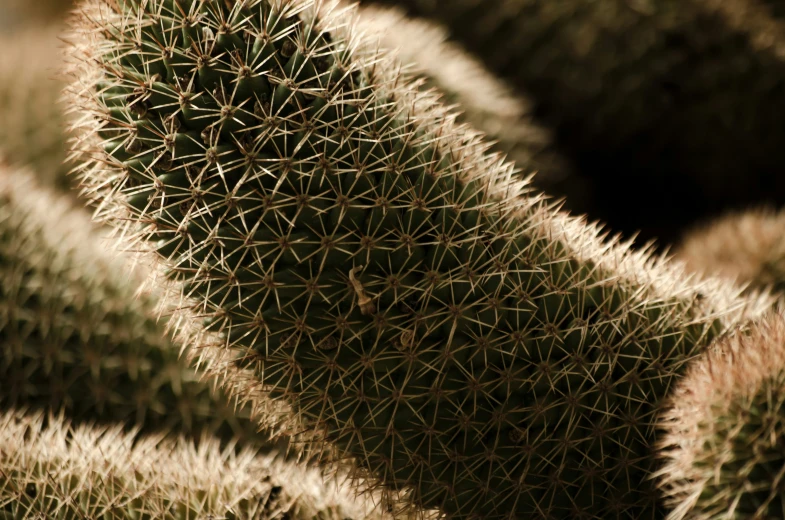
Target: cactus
[33,129]
[682,96]
[725,430]
[73,335]
[53,469]
[484,102]
[747,247]
[349,249]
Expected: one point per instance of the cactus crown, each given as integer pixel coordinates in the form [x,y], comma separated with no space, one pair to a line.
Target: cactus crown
[351,250]
[725,430]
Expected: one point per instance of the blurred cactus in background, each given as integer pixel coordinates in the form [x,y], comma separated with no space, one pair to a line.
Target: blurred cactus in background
[329,208]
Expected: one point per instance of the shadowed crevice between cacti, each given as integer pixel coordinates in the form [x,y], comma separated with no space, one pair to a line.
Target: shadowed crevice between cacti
[334,240]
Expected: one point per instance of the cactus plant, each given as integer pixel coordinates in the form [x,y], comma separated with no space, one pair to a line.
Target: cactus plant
[346,247]
[52,469]
[684,97]
[725,431]
[482,100]
[33,129]
[73,335]
[747,247]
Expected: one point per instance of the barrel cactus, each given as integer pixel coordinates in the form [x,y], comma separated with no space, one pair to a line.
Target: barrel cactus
[747,247]
[53,469]
[74,336]
[725,431]
[334,240]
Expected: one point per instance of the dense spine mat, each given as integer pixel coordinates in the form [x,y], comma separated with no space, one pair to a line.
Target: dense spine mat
[50,468]
[74,336]
[724,431]
[349,249]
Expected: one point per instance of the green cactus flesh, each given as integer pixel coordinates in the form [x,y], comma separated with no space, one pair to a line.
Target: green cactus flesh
[724,439]
[52,469]
[74,336]
[364,257]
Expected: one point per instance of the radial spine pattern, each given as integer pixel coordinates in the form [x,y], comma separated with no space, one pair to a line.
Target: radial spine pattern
[52,469]
[351,250]
[724,441]
[75,337]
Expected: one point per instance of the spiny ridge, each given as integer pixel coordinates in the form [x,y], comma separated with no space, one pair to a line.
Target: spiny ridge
[347,248]
[724,430]
[75,337]
[482,100]
[52,469]
[746,247]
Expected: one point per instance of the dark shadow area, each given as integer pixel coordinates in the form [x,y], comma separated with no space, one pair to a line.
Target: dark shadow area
[668,114]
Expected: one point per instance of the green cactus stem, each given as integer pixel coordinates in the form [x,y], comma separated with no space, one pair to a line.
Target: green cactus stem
[481,100]
[350,250]
[52,469]
[724,431]
[75,337]
[683,96]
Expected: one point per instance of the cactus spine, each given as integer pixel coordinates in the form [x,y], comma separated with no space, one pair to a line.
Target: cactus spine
[351,250]
[747,247]
[52,469]
[680,95]
[725,431]
[74,336]
[483,101]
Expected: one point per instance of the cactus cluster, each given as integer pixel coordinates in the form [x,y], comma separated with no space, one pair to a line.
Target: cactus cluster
[52,469]
[747,247]
[335,240]
[74,337]
[724,439]
[669,108]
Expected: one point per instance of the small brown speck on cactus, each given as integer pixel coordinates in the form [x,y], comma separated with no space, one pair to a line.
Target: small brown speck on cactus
[747,247]
[50,468]
[334,240]
[724,439]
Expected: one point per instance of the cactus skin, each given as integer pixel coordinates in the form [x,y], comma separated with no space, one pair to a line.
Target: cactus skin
[483,101]
[682,96]
[725,430]
[747,247]
[52,469]
[352,251]
[74,336]
[33,129]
